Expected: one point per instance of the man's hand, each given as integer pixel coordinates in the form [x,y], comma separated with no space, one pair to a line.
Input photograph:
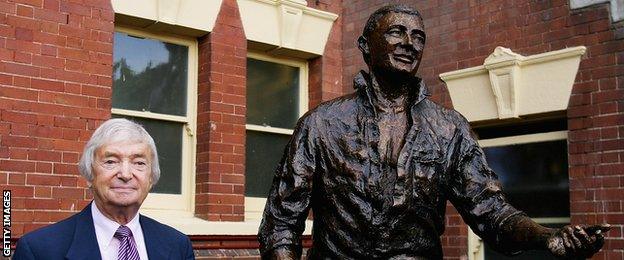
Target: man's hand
[580,241]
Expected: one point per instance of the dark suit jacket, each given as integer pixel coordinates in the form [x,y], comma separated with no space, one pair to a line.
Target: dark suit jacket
[74,238]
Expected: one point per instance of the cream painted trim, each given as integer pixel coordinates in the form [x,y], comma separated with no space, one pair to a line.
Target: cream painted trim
[509,85]
[286,24]
[151,115]
[571,52]
[551,220]
[186,223]
[462,73]
[268,129]
[186,200]
[505,56]
[524,139]
[171,38]
[475,246]
[254,207]
[194,14]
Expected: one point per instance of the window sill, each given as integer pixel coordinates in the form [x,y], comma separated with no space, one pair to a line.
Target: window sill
[188,224]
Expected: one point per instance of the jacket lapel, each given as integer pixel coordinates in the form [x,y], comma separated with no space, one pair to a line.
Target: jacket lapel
[84,244]
[156,249]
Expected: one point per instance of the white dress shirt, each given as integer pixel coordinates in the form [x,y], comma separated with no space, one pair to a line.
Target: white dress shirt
[105,229]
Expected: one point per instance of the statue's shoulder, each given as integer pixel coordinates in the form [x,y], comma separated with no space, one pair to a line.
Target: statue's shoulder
[447,121]
[443,113]
[343,106]
[342,109]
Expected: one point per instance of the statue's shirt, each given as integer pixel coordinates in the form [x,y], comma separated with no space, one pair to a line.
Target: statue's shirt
[365,207]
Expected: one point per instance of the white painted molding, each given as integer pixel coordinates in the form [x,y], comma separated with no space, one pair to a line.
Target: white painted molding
[503,66]
[616,7]
[509,85]
[199,15]
[185,222]
[286,24]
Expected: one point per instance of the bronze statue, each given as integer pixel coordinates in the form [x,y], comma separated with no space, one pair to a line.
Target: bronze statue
[377,167]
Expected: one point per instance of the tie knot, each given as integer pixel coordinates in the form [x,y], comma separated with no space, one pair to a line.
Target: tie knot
[123,232]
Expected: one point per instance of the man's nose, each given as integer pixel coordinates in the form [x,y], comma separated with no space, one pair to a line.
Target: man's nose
[407,40]
[125,171]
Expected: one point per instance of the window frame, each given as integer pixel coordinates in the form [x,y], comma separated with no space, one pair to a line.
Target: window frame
[184,201]
[254,206]
[476,247]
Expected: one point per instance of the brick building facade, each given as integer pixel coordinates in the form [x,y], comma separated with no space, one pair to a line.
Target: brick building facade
[57,65]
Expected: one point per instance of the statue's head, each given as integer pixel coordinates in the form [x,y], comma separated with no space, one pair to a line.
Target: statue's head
[393,40]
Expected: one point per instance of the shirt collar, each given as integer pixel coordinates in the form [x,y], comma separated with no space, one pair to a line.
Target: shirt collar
[106,227]
[363,85]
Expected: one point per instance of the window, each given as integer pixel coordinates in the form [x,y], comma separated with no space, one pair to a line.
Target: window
[154,84]
[531,167]
[276,98]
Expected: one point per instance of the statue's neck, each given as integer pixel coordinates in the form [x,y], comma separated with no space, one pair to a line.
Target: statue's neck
[389,95]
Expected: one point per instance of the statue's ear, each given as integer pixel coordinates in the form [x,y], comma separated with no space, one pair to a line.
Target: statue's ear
[363,45]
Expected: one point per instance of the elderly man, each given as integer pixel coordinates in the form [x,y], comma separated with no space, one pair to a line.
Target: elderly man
[120,163]
[378,166]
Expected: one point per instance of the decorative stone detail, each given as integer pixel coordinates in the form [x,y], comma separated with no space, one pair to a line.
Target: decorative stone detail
[290,24]
[616,7]
[286,27]
[509,85]
[197,15]
[503,66]
[502,56]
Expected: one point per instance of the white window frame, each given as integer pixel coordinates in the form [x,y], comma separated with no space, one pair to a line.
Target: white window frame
[476,250]
[183,202]
[254,206]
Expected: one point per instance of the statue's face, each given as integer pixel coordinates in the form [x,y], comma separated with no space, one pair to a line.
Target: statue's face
[396,44]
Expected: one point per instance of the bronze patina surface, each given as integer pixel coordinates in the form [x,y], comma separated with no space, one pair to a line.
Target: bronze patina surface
[378,166]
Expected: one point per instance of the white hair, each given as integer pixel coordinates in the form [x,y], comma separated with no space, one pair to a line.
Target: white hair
[113,130]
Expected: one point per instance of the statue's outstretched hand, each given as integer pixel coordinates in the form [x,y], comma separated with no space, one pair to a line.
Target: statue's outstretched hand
[577,242]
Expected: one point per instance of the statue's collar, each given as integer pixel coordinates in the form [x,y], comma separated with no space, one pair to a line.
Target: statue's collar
[363,85]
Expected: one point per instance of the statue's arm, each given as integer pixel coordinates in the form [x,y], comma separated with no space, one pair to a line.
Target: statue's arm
[579,241]
[477,194]
[288,202]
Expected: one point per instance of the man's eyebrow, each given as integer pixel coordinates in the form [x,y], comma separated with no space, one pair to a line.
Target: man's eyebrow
[419,31]
[138,155]
[109,154]
[134,155]
[392,26]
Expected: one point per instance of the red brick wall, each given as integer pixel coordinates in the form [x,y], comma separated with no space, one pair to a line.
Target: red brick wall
[221,119]
[55,88]
[462,34]
[222,107]
[55,83]
[325,79]
[596,123]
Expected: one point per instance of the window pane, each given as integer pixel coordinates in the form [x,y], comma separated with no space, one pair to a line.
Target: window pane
[272,94]
[149,75]
[532,172]
[168,139]
[264,151]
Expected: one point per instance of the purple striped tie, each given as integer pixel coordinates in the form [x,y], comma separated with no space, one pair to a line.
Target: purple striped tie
[127,247]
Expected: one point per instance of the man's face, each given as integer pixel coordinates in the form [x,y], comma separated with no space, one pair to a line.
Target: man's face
[396,44]
[122,174]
